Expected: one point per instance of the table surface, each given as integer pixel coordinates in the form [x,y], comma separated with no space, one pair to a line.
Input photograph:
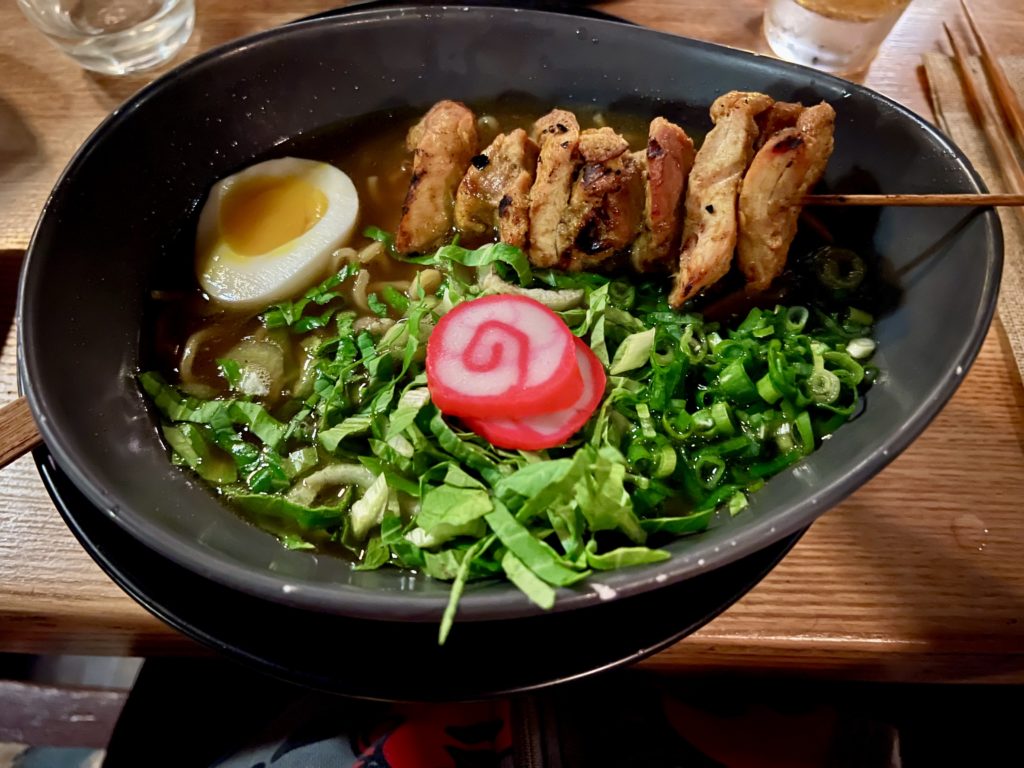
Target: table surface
[918,576]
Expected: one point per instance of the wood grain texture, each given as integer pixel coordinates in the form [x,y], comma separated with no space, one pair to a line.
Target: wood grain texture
[18,433]
[919,575]
[1006,97]
[984,113]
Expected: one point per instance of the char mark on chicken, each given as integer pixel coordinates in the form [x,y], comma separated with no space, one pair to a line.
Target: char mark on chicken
[494,196]
[605,204]
[781,114]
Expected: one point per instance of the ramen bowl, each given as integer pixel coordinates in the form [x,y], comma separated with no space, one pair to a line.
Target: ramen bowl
[126,207]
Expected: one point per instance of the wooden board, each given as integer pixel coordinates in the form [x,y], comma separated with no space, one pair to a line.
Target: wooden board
[920,575]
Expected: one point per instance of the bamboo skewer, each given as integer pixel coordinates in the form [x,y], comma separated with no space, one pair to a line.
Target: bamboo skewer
[1004,93]
[954,199]
[987,120]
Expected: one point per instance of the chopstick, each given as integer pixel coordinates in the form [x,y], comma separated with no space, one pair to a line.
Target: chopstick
[985,117]
[987,120]
[922,200]
[18,433]
[1001,88]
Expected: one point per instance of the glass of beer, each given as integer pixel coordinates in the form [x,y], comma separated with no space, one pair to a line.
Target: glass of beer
[838,36]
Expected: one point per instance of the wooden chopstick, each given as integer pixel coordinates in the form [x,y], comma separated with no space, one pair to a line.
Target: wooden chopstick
[908,200]
[1004,93]
[18,433]
[967,82]
[987,120]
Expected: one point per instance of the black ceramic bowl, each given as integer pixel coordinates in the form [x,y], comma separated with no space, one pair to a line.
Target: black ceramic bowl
[132,190]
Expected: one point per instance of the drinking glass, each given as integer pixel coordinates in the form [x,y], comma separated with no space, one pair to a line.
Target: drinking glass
[115,37]
[838,36]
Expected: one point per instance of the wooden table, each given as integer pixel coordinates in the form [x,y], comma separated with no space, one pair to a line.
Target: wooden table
[919,576]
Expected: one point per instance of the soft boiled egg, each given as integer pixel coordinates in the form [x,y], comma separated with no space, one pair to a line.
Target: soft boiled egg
[267,233]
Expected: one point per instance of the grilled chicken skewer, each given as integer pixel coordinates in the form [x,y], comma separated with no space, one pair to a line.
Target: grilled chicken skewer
[442,143]
[573,199]
[606,201]
[710,226]
[494,196]
[781,114]
[790,162]
[558,135]
[667,162]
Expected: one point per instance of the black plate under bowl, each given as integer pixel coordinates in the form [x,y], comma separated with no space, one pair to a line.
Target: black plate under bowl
[94,253]
[401,660]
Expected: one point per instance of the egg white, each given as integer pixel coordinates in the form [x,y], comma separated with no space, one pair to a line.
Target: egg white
[252,282]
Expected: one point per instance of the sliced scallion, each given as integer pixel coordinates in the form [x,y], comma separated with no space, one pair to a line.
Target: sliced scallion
[796,319]
[861,348]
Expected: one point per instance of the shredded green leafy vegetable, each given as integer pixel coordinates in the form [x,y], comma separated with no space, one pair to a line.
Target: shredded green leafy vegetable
[695,417]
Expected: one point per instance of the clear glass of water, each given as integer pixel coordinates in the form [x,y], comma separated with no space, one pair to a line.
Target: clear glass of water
[838,36]
[115,37]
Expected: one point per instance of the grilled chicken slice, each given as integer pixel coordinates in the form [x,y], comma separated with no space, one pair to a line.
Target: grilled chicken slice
[709,229]
[666,164]
[784,169]
[606,203]
[557,134]
[494,195]
[442,143]
[782,114]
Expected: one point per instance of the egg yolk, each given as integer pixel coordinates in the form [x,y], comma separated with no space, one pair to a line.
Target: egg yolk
[261,214]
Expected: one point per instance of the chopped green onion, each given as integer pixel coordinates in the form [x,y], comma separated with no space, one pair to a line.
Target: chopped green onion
[753,321]
[646,422]
[702,423]
[823,386]
[694,344]
[722,417]
[778,370]
[666,462]
[861,348]
[776,465]
[737,503]
[849,370]
[859,317]
[796,319]
[395,298]
[806,432]
[734,445]
[767,389]
[710,469]
[839,269]
[621,294]
[784,437]
[655,458]
[678,426]
[735,384]
[231,370]
[377,306]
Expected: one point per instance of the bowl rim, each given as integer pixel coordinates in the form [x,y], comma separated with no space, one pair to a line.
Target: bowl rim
[481,601]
